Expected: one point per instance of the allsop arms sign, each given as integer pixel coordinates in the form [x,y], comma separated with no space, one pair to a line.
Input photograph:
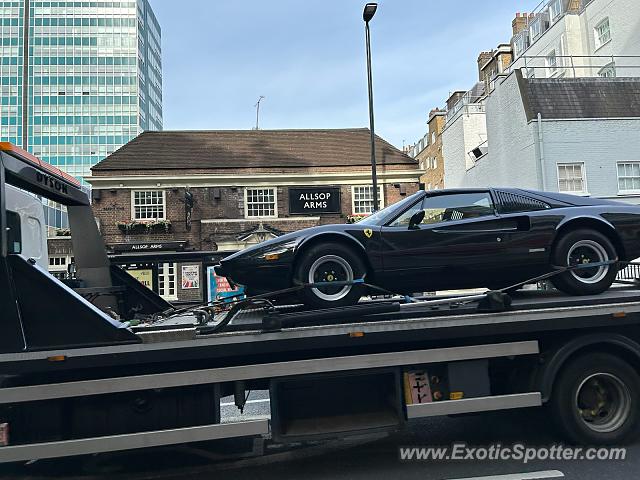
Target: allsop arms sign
[305,200]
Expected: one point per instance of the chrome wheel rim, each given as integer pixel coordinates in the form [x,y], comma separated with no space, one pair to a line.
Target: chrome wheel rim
[331,268]
[603,402]
[583,253]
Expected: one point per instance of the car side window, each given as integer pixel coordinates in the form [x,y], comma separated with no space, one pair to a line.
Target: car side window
[403,220]
[458,206]
[14,234]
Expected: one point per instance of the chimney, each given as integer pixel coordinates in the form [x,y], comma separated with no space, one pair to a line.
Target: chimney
[483,58]
[521,22]
[574,6]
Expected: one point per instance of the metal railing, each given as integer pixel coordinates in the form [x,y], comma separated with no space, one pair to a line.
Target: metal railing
[577,66]
[472,104]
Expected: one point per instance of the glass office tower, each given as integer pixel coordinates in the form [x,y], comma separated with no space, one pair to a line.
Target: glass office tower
[78,80]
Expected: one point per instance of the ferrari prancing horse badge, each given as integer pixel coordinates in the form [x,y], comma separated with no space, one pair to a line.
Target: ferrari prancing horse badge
[368,232]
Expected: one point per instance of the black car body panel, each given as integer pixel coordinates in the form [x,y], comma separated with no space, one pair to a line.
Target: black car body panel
[512,243]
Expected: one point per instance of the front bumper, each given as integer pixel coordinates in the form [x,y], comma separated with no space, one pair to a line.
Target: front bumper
[256,276]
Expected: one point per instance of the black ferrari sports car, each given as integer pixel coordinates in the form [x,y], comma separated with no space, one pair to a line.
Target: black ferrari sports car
[449,239]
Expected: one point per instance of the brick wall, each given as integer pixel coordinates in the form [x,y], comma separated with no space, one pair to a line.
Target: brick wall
[433,176]
[115,206]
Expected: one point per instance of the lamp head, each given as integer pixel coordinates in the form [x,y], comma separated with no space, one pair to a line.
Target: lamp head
[369,11]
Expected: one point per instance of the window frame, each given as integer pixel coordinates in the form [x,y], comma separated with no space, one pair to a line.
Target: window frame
[535,28]
[596,35]
[585,188]
[133,205]
[609,67]
[163,277]
[380,198]
[246,202]
[14,221]
[427,197]
[626,162]
[555,15]
[552,70]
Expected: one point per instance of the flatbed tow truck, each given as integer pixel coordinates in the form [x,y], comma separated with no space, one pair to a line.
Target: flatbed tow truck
[101,364]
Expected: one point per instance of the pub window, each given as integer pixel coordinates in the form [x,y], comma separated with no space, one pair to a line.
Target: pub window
[260,202]
[362,199]
[148,204]
[167,281]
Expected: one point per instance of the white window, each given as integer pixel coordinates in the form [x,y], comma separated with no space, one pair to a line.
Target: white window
[571,178]
[260,202]
[536,28]
[362,199]
[551,62]
[435,162]
[148,204]
[629,177]
[608,71]
[555,9]
[167,281]
[602,33]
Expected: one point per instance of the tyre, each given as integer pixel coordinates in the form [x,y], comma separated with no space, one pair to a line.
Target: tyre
[584,246]
[330,262]
[595,400]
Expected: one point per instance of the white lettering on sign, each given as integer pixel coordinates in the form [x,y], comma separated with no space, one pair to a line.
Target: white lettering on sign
[315,204]
[315,196]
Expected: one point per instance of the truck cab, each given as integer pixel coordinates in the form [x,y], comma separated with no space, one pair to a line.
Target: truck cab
[26,228]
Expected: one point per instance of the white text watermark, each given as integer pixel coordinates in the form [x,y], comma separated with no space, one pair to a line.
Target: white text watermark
[517,452]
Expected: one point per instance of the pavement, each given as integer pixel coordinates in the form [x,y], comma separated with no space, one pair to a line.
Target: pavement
[369,458]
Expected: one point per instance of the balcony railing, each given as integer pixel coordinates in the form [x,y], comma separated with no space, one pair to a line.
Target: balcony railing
[468,103]
[577,66]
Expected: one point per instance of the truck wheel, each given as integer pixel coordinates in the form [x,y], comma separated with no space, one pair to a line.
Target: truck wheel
[330,262]
[584,246]
[595,400]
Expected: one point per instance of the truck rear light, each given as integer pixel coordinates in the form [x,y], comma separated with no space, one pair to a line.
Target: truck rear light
[4,434]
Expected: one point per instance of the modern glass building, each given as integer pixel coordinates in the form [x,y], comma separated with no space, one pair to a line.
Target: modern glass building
[78,80]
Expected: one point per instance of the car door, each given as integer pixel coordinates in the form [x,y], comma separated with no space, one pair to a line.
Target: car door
[458,244]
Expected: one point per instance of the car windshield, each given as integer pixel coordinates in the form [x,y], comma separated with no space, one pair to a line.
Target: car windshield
[380,216]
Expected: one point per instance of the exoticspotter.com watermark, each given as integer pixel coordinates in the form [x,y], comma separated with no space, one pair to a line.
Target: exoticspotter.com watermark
[517,452]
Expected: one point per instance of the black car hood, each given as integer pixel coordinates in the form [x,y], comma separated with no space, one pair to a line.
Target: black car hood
[288,237]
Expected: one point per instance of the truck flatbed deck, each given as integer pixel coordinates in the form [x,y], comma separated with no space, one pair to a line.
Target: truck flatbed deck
[414,324]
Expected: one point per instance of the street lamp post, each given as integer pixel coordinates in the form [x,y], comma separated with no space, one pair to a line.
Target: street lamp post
[367,15]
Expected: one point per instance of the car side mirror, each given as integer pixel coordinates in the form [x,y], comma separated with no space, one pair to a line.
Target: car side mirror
[416,219]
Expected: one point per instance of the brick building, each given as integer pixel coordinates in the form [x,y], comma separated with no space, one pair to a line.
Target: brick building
[430,157]
[183,199]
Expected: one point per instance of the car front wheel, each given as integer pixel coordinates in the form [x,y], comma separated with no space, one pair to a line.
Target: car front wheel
[582,247]
[329,263]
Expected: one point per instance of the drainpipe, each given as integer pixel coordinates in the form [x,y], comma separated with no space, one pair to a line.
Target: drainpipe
[543,173]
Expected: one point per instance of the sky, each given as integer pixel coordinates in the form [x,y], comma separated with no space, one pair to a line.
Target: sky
[307,58]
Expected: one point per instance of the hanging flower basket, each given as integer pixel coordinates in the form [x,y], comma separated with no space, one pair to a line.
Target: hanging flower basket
[355,217]
[135,227]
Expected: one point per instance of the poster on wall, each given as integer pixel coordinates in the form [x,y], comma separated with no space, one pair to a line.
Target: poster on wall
[219,287]
[145,277]
[190,277]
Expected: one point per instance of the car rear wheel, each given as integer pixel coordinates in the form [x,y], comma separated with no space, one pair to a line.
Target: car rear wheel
[327,263]
[581,247]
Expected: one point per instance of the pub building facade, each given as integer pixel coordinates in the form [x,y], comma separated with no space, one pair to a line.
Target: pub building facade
[171,204]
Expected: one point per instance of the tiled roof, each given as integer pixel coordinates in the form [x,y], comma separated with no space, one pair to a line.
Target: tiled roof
[564,98]
[227,149]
